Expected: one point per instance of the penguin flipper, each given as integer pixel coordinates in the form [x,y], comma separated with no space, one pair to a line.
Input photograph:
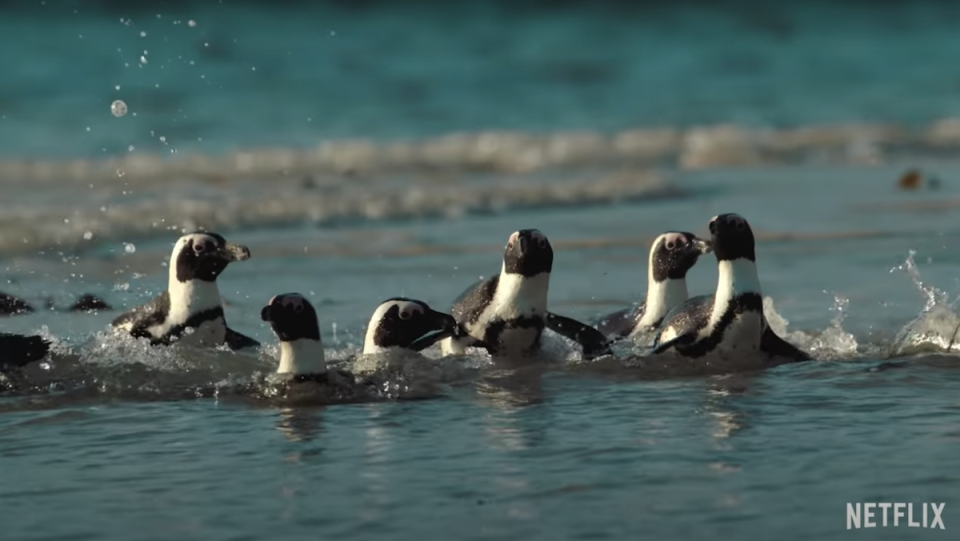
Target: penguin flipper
[619,324]
[235,340]
[593,342]
[676,342]
[777,347]
[17,350]
[141,318]
[683,321]
[473,301]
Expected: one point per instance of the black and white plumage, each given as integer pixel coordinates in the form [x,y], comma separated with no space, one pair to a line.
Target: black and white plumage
[190,310]
[11,305]
[507,313]
[672,255]
[18,350]
[406,324]
[731,320]
[294,321]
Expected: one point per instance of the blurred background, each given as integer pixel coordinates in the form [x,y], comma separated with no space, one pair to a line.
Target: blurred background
[108,107]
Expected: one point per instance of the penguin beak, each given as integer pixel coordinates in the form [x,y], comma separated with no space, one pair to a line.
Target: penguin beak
[444,326]
[443,322]
[234,252]
[703,246]
[267,313]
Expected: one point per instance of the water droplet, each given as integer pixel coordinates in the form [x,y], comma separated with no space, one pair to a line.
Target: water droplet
[143,33]
[87,235]
[117,87]
[131,148]
[88,128]
[129,247]
[66,220]
[143,60]
[191,23]
[118,107]
[163,139]
[120,172]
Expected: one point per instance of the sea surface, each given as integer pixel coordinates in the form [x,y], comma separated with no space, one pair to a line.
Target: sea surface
[370,150]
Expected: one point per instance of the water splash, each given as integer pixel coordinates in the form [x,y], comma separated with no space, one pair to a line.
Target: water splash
[935,328]
[834,342]
[829,344]
[932,295]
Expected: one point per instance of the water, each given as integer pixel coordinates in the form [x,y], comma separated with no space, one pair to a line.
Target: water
[595,125]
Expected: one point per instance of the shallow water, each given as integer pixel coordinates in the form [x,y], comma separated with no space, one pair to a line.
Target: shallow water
[861,271]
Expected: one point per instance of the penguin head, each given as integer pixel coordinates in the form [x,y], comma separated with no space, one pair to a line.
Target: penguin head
[292,317]
[528,253]
[408,324]
[674,253]
[732,238]
[203,255]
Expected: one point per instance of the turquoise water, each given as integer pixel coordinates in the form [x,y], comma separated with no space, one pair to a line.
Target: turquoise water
[859,271]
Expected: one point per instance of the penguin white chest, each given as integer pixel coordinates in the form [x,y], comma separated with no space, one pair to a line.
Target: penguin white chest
[518,340]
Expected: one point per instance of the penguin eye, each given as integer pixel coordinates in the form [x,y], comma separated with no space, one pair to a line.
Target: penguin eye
[542,243]
[199,247]
[404,314]
[298,308]
[741,226]
[670,245]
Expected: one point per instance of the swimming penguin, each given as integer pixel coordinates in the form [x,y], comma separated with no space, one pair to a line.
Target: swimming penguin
[192,299]
[506,314]
[87,302]
[294,321]
[402,323]
[18,350]
[13,306]
[731,320]
[671,256]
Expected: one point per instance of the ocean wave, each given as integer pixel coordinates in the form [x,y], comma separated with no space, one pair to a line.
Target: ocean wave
[69,203]
[505,152]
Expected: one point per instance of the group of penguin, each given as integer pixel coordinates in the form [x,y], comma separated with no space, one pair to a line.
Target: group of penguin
[506,314]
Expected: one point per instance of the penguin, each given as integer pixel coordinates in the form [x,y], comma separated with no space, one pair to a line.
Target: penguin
[87,303]
[672,255]
[18,350]
[731,320]
[400,323]
[11,305]
[507,313]
[294,321]
[192,299]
